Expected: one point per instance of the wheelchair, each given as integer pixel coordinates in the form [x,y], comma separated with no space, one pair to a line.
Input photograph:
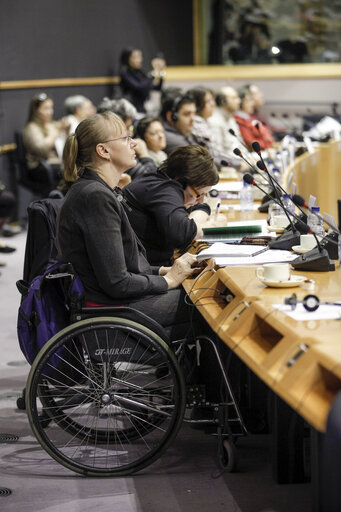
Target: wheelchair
[106,395]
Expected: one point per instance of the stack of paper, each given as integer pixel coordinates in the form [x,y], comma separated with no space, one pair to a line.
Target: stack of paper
[236,254]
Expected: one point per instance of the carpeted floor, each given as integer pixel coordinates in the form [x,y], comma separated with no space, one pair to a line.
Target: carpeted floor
[185,479]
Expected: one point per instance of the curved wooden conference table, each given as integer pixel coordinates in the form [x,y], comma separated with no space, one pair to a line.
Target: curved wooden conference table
[300,361]
[265,338]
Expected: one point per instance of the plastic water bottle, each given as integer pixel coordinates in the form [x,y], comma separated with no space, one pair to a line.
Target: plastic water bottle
[315,221]
[276,174]
[246,198]
[288,204]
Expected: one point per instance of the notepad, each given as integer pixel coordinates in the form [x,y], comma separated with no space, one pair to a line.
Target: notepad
[230,232]
[220,249]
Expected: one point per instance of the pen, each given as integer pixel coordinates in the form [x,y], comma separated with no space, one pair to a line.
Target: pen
[260,252]
[217,208]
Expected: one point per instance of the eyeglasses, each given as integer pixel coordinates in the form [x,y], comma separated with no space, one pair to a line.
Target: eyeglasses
[127,137]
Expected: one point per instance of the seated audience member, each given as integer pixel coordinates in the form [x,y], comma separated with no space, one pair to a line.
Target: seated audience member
[136,84]
[251,129]
[95,235]
[7,203]
[274,125]
[167,209]
[39,136]
[77,108]
[150,129]
[127,112]
[205,105]
[222,120]
[178,118]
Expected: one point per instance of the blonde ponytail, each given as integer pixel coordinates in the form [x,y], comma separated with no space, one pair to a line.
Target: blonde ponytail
[79,149]
[70,154]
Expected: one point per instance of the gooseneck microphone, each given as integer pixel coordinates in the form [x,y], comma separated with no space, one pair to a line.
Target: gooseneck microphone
[237,152]
[331,241]
[248,178]
[239,139]
[315,260]
[257,149]
[300,202]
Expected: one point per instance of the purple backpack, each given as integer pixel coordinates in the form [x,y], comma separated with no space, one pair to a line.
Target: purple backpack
[46,305]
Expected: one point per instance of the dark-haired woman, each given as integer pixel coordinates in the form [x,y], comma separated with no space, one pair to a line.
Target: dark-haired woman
[151,130]
[40,136]
[136,84]
[95,235]
[167,209]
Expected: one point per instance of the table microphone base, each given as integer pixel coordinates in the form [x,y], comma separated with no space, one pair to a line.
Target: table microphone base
[314,260]
[286,240]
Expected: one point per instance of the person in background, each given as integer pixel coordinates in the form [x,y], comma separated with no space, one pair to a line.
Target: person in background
[178,114]
[135,83]
[77,108]
[150,129]
[127,112]
[205,105]
[222,120]
[95,235]
[39,137]
[167,208]
[251,129]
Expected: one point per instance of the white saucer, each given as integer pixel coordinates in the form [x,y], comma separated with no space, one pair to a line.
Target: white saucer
[294,281]
[301,250]
[276,229]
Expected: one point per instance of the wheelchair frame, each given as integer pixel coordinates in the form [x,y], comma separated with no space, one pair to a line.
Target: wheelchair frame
[106,396]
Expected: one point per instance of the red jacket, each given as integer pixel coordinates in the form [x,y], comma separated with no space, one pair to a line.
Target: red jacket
[253,130]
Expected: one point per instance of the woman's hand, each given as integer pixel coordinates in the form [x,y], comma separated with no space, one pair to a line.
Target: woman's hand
[158,64]
[182,268]
[215,220]
[141,149]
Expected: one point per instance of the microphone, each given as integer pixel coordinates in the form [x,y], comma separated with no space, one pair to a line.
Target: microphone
[304,229]
[237,152]
[330,241]
[285,245]
[233,133]
[315,260]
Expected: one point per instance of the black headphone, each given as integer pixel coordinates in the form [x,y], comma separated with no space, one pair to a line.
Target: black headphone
[175,108]
[220,99]
[310,302]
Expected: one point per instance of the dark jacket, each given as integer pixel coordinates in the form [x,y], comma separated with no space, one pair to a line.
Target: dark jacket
[159,217]
[144,165]
[94,234]
[136,86]
[176,139]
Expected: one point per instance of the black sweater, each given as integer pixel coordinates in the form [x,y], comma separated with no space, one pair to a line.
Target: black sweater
[159,217]
[94,234]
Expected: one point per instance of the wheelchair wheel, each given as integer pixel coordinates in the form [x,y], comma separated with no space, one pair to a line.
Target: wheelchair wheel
[114,394]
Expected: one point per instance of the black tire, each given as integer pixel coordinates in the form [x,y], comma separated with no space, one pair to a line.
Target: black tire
[114,393]
[21,403]
[227,458]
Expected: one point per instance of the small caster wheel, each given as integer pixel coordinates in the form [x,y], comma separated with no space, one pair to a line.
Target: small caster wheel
[21,403]
[227,458]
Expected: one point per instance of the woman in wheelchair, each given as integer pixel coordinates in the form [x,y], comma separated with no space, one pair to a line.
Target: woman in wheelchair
[106,395]
[95,235]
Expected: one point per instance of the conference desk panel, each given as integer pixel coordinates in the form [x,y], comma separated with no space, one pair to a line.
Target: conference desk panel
[299,361]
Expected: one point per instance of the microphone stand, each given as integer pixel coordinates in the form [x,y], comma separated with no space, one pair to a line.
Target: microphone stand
[295,235]
[315,260]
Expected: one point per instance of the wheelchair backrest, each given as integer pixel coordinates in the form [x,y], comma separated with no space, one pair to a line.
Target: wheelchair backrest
[41,235]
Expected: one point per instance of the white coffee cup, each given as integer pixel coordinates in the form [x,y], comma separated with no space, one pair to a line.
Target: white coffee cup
[274,272]
[307,241]
[279,221]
